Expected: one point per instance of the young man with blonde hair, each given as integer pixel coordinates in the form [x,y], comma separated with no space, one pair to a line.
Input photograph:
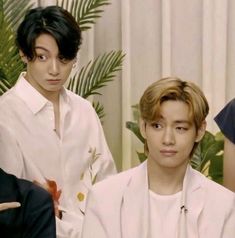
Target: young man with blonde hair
[164,196]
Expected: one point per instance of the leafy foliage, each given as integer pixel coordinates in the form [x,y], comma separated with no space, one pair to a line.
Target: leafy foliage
[208,157]
[84,11]
[10,63]
[97,74]
[134,127]
[13,11]
[99,109]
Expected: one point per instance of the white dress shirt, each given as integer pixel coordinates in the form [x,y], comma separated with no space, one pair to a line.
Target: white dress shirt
[31,149]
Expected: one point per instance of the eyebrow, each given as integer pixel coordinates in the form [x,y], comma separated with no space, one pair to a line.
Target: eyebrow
[41,48]
[176,121]
[182,121]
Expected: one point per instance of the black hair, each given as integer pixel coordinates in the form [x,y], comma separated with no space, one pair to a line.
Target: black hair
[52,20]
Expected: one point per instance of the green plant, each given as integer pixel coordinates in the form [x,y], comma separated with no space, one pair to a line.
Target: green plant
[207,158]
[11,12]
[87,81]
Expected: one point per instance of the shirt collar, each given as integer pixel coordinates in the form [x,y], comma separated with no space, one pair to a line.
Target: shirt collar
[32,98]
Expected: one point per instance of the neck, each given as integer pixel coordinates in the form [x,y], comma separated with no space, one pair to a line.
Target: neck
[53,97]
[165,181]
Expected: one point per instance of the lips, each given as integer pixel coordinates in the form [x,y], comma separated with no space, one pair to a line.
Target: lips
[168,152]
[53,81]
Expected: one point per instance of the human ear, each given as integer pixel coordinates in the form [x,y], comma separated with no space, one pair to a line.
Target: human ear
[23,57]
[142,126]
[201,131]
[74,62]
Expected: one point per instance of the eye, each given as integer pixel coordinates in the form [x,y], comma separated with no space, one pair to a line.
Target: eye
[156,125]
[181,129]
[63,60]
[42,57]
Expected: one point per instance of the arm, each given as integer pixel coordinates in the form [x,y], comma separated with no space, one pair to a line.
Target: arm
[9,205]
[229,164]
[68,223]
[11,159]
[39,214]
[106,166]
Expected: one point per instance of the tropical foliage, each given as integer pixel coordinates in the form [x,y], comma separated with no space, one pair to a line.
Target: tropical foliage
[87,81]
[11,12]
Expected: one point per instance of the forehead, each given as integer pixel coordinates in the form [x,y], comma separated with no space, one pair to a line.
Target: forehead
[175,111]
[46,42]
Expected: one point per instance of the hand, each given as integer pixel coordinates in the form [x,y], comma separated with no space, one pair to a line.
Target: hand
[9,205]
[51,187]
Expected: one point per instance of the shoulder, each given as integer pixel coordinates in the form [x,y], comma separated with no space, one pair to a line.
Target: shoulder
[114,184]
[217,189]
[77,99]
[227,109]
[215,193]
[231,103]
[32,192]
[24,187]
[79,102]
[225,120]
[22,190]
[8,97]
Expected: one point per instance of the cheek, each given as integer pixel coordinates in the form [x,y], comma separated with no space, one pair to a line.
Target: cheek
[189,145]
[153,140]
[67,70]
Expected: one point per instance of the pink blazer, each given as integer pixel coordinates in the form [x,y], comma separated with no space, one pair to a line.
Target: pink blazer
[118,207]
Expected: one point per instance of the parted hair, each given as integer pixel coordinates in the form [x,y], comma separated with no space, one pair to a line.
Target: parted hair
[173,88]
[52,20]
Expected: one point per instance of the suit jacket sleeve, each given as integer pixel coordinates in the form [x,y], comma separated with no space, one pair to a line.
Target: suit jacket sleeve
[39,214]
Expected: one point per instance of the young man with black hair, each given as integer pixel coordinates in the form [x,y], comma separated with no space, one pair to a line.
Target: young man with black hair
[55,136]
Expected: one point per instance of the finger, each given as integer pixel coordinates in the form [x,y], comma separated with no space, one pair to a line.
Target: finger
[9,205]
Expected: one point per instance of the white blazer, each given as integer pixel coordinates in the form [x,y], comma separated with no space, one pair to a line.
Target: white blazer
[118,207]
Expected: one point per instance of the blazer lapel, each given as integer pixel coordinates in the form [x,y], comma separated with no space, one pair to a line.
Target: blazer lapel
[195,201]
[135,204]
[135,207]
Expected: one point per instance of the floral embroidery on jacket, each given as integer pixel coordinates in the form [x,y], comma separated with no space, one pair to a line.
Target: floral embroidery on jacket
[89,177]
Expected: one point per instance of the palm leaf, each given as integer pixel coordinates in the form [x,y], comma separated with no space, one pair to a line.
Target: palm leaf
[99,109]
[134,127]
[14,11]
[10,62]
[4,84]
[84,11]
[96,74]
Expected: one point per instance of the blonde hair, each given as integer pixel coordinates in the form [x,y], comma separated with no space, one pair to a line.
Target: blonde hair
[173,88]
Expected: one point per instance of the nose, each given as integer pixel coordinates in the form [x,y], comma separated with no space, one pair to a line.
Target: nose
[54,67]
[168,137]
